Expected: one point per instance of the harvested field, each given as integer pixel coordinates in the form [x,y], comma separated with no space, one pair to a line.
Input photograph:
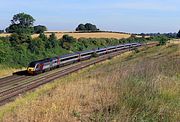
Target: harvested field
[84,35]
[94,35]
[4,34]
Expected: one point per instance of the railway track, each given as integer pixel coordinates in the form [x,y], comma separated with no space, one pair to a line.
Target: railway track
[12,86]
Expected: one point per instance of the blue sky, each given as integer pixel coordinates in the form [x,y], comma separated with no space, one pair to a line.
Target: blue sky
[117,15]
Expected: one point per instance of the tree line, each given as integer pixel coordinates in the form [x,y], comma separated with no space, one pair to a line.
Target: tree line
[24,23]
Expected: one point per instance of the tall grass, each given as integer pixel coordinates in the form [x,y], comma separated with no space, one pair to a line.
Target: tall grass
[142,86]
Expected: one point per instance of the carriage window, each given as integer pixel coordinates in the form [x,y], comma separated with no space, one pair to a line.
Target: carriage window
[38,66]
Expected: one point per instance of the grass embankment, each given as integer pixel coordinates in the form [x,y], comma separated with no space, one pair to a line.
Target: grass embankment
[142,86]
[6,70]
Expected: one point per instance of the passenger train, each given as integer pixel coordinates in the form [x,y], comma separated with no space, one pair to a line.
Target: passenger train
[40,66]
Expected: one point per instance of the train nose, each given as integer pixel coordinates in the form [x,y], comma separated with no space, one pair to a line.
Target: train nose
[30,70]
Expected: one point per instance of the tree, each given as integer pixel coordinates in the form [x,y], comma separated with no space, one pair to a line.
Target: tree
[43,37]
[23,19]
[87,27]
[18,39]
[69,39]
[39,29]
[90,27]
[178,34]
[19,29]
[36,46]
[21,23]
[1,31]
[67,42]
[53,40]
[80,27]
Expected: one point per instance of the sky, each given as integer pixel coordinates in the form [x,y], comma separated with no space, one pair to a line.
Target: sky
[134,16]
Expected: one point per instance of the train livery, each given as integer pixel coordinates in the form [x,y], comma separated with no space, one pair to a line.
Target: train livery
[40,66]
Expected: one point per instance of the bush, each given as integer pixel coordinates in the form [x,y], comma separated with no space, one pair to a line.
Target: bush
[161,39]
[67,42]
[1,31]
[17,39]
[39,29]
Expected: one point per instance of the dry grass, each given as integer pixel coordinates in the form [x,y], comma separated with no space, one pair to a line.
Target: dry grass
[84,35]
[142,86]
[6,71]
[175,41]
[73,99]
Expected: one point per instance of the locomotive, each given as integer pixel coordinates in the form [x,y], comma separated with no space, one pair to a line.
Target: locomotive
[40,66]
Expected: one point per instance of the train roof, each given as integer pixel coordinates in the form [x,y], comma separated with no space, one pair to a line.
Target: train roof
[112,47]
[128,44]
[33,63]
[99,49]
[43,60]
[87,51]
[69,55]
[120,45]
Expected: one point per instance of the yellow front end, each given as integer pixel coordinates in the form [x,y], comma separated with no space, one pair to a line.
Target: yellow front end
[31,70]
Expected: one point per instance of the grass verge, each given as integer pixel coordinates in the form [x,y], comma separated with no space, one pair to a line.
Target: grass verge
[6,71]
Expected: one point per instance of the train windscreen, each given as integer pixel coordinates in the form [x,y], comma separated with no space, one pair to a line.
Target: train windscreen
[32,64]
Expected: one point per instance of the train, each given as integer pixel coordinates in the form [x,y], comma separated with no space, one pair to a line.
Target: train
[40,66]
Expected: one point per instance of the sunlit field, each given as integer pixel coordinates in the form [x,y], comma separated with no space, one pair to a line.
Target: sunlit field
[84,35]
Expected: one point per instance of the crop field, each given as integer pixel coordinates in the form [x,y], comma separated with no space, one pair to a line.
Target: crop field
[4,34]
[135,86]
[84,35]
[95,35]
[175,41]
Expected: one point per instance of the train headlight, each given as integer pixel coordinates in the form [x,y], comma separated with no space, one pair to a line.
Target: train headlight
[30,69]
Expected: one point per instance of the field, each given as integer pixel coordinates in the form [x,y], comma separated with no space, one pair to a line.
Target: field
[175,41]
[136,86]
[84,35]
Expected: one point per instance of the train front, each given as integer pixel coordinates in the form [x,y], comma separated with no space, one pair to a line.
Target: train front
[31,68]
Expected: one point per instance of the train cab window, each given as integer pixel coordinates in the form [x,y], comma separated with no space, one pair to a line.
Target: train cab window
[38,66]
[32,64]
